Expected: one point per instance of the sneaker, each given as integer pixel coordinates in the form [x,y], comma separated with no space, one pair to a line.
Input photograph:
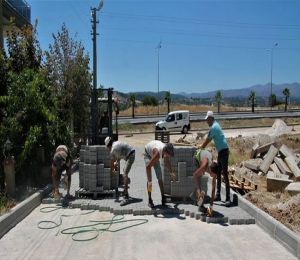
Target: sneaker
[163,201]
[200,198]
[203,209]
[150,203]
[217,198]
[125,201]
[227,203]
[69,196]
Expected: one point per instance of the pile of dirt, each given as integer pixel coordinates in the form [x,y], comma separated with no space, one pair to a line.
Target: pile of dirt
[281,206]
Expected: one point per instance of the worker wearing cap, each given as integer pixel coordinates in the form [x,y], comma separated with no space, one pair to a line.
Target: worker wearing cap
[120,150]
[61,161]
[203,162]
[154,151]
[216,134]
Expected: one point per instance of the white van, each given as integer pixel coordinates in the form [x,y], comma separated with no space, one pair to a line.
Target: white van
[175,121]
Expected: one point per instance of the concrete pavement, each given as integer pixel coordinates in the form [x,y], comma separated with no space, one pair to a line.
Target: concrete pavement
[168,236]
[163,237]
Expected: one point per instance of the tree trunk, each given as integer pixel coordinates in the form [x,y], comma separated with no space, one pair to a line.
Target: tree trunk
[168,107]
[132,111]
[285,106]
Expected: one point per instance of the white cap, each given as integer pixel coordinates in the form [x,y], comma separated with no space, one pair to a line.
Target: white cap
[107,140]
[209,114]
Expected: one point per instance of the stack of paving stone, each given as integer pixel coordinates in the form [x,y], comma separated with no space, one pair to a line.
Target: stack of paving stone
[184,165]
[94,169]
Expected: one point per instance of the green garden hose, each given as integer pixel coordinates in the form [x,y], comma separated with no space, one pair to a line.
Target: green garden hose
[89,228]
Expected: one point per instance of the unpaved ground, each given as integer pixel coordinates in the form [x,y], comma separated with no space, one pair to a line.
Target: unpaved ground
[281,206]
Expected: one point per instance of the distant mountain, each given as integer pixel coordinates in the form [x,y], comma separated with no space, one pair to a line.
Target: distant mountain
[263,91]
[141,95]
[232,96]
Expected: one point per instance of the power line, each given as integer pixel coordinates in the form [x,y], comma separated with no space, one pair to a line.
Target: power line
[206,34]
[198,21]
[151,43]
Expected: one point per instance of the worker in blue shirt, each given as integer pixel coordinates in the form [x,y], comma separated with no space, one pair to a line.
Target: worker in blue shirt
[216,134]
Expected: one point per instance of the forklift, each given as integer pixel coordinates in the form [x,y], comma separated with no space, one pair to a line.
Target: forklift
[107,104]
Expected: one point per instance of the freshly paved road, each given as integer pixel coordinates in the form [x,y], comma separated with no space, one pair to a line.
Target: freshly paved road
[160,238]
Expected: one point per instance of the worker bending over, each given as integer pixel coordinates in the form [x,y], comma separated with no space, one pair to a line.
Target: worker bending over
[204,163]
[61,161]
[120,150]
[154,151]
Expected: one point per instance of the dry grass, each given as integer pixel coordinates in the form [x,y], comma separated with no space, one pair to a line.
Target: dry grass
[163,109]
[202,125]
[153,110]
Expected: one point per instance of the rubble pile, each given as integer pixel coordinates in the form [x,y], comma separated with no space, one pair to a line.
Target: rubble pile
[279,165]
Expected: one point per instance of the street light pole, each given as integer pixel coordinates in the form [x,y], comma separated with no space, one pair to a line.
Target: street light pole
[158,48]
[94,105]
[271,96]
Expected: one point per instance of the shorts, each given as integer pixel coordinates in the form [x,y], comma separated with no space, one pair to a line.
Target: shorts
[156,166]
[60,163]
[129,161]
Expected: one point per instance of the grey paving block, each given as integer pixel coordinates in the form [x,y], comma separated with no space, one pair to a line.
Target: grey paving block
[197,216]
[250,221]
[219,220]
[203,218]
[187,213]
[104,208]
[237,221]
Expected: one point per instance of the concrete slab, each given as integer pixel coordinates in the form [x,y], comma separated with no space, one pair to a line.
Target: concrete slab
[293,188]
[277,182]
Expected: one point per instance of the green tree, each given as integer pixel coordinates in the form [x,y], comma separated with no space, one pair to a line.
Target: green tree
[149,101]
[252,99]
[286,93]
[68,69]
[272,100]
[218,98]
[168,99]
[3,81]
[132,103]
[23,49]
[30,120]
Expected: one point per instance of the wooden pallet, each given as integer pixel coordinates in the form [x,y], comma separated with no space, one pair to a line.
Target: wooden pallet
[244,184]
[163,136]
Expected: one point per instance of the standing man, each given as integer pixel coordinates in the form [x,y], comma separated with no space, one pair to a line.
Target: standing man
[61,161]
[216,134]
[120,150]
[203,161]
[154,151]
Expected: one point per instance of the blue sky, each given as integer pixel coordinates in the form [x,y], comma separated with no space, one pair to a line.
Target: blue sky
[206,45]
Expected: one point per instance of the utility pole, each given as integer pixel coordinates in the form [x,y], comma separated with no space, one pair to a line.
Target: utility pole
[271,95]
[158,48]
[1,25]
[94,103]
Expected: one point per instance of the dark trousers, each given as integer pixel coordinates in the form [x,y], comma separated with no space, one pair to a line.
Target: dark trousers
[223,169]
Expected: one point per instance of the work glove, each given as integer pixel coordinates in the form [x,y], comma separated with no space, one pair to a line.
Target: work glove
[210,211]
[173,176]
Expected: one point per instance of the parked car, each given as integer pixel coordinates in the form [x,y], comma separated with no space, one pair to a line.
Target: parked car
[175,121]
